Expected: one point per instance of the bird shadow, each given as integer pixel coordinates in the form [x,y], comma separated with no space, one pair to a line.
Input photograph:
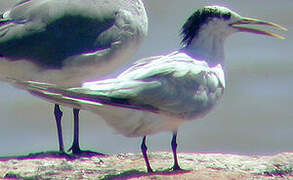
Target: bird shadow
[137,174]
[52,154]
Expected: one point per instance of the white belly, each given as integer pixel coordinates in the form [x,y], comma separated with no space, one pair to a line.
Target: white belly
[133,123]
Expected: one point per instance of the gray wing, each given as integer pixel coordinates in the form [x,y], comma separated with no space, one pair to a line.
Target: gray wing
[179,88]
[51,31]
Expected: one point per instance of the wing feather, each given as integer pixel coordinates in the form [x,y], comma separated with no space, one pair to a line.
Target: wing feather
[181,88]
[39,30]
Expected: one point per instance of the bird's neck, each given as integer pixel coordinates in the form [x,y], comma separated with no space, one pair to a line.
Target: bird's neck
[208,47]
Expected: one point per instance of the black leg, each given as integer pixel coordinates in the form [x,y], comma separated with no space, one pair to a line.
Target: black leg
[58,116]
[75,145]
[176,166]
[144,152]
[75,148]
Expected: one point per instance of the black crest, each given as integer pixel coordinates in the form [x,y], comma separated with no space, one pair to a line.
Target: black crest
[191,27]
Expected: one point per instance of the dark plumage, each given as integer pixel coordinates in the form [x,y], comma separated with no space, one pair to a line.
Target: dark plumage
[191,27]
[93,96]
[48,46]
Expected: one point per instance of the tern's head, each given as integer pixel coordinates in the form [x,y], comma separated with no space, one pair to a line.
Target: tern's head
[221,22]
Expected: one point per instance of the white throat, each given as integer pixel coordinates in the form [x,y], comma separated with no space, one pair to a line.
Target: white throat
[208,45]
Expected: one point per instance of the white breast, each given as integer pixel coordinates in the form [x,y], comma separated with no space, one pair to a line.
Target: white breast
[134,123]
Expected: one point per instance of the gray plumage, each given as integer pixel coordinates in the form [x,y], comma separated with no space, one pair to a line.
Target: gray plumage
[160,93]
[77,40]
[175,86]
[68,42]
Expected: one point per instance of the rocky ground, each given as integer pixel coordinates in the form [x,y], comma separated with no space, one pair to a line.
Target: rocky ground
[131,166]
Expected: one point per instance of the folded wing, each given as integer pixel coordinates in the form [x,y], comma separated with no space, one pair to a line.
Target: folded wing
[48,32]
[182,88]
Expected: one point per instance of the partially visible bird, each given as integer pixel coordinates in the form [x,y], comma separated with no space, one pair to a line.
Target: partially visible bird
[160,93]
[68,42]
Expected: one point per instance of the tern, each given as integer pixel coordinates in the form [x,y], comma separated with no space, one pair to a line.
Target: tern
[160,93]
[68,42]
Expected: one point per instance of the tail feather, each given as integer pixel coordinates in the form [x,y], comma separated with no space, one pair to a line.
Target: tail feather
[81,98]
[53,94]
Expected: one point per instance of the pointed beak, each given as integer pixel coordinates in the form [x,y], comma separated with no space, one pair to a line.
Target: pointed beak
[252,21]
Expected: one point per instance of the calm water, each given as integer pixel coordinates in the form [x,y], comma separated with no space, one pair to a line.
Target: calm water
[255,116]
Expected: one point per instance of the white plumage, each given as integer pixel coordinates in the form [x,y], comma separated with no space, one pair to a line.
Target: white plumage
[68,42]
[153,95]
[160,93]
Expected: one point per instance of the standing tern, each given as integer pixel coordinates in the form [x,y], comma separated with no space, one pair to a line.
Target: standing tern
[68,42]
[160,93]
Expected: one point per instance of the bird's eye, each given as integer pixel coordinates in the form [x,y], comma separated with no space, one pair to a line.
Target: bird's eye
[227,16]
